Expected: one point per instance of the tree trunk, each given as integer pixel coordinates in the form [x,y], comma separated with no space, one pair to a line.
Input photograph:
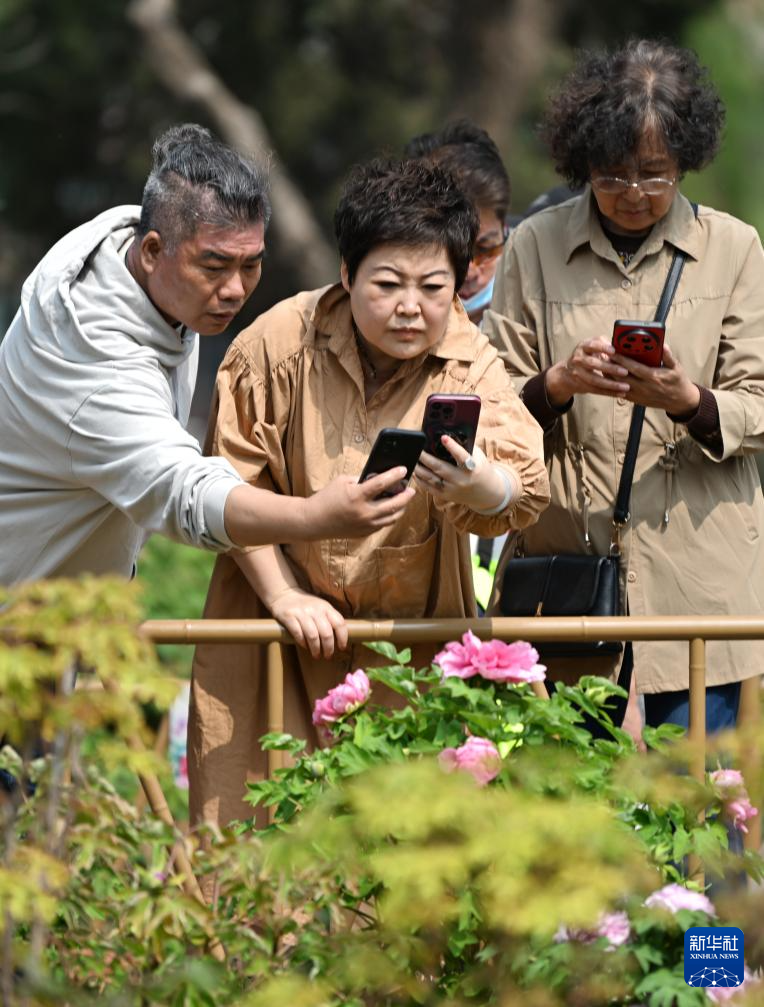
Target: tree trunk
[514,47]
[184,70]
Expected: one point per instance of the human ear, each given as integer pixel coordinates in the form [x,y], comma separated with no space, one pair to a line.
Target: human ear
[344,275]
[150,249]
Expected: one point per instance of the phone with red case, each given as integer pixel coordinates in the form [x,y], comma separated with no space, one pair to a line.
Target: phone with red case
[455,415]
[642,341]
[394,446]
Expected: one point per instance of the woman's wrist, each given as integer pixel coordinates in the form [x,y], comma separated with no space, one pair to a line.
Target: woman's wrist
[276,596]
[509,490]
[686,407]
[557,385]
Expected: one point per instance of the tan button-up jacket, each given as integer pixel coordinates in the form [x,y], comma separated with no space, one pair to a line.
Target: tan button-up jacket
[291,415]
[694,544]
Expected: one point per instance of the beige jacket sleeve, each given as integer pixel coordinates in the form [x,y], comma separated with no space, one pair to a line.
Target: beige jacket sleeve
[243,425]
[739,378]
[511,323]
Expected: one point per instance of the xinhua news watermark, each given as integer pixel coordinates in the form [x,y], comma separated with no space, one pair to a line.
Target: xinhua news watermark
[713,956]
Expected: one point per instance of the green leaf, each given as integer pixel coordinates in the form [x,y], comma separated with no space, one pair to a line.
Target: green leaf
[389,651]
[394,678]
[683,843]
[282,742]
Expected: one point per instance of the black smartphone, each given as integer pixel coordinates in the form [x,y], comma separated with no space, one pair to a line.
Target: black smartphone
[455,415]
[394,447]
[642,341]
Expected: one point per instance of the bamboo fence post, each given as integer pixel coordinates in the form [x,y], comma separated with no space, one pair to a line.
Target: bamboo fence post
[158,804]
[160,747]
[697,731]
[749,719]
[540,690]
[275,672]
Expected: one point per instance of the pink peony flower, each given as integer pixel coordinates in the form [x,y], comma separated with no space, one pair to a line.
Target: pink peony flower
[727,779]
[495,660]
[478,756]
[457,659]
[675,897]
[739,811]
[342,699]
[614,927]
[510,662]
[737,807]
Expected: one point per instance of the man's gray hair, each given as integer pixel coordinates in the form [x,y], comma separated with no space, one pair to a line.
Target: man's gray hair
[198,180]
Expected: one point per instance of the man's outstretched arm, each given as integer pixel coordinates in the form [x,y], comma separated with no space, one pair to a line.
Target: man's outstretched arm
[343,509]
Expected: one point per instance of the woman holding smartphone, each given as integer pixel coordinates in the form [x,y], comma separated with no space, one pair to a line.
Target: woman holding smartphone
[628,125]
[300,397]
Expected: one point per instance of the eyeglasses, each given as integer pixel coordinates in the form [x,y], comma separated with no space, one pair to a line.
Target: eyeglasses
[611,185]
[481,254]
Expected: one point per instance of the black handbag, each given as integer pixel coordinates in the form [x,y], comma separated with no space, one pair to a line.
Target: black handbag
[583,585]
[563,585]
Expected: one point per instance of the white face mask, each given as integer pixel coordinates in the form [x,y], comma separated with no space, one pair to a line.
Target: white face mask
[479,300]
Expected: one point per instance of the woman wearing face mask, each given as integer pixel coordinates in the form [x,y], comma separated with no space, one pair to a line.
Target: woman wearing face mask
[471,156]
[628,125]
[300,397]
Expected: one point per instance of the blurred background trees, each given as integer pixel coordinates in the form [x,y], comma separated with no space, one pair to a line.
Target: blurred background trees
[319,84]
[316,85]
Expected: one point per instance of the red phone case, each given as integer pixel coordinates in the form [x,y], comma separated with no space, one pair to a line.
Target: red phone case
[455,415]
[642,341]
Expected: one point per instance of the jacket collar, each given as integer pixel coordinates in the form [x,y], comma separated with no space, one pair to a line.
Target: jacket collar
[679,228]
[332,317]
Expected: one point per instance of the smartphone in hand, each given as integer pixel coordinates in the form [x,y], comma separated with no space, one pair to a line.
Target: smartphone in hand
[393,447]
[455,415]
[642,341]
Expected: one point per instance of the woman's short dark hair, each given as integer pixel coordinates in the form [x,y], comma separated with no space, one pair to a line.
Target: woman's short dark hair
[611,99]
[472,157]
[404,203]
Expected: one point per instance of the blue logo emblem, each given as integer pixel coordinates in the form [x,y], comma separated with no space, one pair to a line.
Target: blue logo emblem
[713,956]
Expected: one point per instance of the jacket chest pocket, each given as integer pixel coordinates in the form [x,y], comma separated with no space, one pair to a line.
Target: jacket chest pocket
[570,324]
[404,578]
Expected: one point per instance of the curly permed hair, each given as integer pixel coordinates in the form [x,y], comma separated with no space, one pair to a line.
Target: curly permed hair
[404,203]
[611,99]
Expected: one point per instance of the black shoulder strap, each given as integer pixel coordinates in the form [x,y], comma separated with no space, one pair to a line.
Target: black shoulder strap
[623,498]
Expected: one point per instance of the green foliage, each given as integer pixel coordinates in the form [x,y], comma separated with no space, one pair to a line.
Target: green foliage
[50,632]
[383,881]
[174,580]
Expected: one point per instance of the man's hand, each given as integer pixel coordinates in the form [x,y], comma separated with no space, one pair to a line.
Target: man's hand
[313,622]
[666,387]
[348,509]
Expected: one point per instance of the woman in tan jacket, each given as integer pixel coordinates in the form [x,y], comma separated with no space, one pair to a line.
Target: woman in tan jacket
[627,125]
[300,398]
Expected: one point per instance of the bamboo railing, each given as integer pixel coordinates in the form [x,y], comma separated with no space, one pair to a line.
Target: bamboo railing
[696,630]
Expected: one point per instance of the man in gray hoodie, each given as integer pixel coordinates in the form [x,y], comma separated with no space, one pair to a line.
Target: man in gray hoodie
[98,368]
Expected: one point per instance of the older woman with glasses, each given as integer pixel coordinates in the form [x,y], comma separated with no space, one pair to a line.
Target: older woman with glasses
[628,125]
